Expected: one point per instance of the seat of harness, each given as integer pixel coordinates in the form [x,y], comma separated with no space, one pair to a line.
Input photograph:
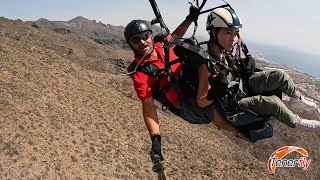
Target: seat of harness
[233,112]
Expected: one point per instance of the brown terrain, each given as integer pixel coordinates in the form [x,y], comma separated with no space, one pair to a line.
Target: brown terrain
[67,113]
[99,32]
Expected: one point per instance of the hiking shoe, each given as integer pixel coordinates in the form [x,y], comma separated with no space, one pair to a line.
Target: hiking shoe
[310,125]
[308,101]
[296,102]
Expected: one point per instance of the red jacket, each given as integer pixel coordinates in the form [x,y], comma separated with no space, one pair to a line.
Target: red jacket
[143,83]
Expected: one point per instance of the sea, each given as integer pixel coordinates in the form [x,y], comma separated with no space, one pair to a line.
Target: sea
[298,60]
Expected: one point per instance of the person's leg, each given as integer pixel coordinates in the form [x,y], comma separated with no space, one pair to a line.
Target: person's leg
[266,81]
[272,105]
[192,113]
[269,80]
[299,98]
[221,122]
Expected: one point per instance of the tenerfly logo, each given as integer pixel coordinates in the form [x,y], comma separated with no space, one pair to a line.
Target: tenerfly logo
[276,159]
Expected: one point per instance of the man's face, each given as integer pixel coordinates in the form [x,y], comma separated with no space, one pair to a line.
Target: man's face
[227,37]
[142,43]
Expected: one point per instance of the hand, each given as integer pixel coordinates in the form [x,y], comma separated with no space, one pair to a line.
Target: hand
[219,86]
[216,92]
[193,13]
[159,37]
[250,66]
[155,153]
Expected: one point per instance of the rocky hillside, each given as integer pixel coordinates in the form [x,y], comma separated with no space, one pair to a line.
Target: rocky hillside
[67,113]
[98,31]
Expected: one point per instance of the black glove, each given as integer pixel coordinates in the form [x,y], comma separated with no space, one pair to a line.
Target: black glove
[250,66]
[159,37]
[155,153]
[216,92]
[219,86]
[193,13]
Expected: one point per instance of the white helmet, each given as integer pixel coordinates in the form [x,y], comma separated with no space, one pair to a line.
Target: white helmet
[223,17]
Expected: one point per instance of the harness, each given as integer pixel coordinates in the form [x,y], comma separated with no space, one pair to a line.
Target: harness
[187,86]
[229,103]
[188,83]
[159,73]
[255,126]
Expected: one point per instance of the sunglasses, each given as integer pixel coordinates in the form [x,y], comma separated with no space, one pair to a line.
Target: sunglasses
[137,38]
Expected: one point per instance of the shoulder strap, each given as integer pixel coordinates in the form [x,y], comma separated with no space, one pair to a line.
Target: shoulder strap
[196,49]
[150,69]
[147,68]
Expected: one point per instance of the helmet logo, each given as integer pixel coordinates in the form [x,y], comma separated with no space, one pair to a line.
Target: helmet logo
[210,20]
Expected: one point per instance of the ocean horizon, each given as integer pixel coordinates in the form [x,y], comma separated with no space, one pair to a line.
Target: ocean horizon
[281,55]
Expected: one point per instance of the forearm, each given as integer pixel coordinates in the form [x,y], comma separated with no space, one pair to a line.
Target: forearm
[203,87]
[220,121]
[150,117]
[181,29]
[203,101]
[152,125]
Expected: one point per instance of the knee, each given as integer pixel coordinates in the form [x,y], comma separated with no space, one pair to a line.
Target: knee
[280,74]
[218,118]
[271,102]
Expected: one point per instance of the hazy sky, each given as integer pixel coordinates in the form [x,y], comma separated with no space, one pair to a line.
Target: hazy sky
[292,23]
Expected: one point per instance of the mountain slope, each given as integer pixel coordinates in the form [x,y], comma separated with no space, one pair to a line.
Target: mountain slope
[99,32]
[66,113]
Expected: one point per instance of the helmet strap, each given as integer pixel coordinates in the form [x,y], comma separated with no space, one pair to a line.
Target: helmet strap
[214,40]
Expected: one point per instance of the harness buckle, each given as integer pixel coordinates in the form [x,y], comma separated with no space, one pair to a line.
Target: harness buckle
[164,108]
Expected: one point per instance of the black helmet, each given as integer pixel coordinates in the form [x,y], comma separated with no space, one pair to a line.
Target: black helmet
[136,27]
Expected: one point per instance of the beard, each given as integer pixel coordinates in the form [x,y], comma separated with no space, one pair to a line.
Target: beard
[144,50]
